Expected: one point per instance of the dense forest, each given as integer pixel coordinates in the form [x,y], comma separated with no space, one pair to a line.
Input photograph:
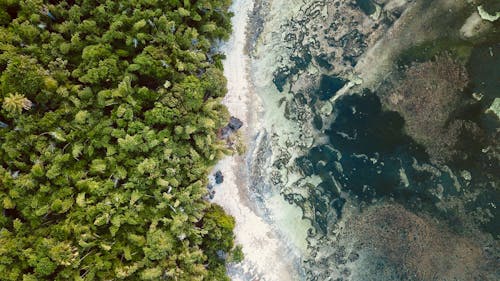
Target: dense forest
[108,128]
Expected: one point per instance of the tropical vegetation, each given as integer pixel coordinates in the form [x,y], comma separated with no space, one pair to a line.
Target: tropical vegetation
[109,112]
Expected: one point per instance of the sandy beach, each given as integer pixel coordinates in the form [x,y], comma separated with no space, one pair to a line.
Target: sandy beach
[265,253]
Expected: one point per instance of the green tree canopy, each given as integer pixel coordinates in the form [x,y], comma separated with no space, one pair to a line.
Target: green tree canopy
[109,113]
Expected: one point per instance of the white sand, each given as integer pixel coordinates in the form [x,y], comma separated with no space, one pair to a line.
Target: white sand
[266,256]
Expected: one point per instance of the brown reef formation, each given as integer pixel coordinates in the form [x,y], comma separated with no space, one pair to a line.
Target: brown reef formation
[421,247]
[387,242]
[427,96]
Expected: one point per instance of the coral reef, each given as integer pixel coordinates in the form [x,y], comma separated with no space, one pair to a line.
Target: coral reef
[427,95]
[372,90]
[388,242]
[416,244]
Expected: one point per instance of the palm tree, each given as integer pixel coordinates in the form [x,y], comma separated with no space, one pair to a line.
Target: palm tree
[15,103]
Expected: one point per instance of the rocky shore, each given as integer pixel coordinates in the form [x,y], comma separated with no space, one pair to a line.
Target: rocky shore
[330,149]
[267,256]
[332,140]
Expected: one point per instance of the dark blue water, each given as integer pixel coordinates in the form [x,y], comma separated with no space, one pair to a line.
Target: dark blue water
[329,86]
[373,149]
[366,6]
[374,154]
[377,157]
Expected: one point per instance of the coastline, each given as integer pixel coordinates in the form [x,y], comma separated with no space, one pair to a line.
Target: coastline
[266,255]
[261,58]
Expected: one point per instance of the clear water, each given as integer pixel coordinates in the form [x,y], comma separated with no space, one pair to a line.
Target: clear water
[358,157]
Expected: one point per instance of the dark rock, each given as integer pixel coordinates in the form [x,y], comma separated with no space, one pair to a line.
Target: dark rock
[225,132]
[219,178]
[210,186]
[210,195]
[235,123]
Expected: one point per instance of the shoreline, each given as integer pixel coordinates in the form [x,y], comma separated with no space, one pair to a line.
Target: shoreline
[278,130]
[266,255]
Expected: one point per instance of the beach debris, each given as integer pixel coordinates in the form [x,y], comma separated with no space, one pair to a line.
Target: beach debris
[151,23]
[3,125]
[15,103]
[219,178]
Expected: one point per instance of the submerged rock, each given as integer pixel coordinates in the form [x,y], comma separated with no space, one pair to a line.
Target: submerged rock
[427,96]
[474,26]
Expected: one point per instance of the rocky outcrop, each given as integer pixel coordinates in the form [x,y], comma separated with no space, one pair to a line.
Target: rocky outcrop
[234,125]
[219,178]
